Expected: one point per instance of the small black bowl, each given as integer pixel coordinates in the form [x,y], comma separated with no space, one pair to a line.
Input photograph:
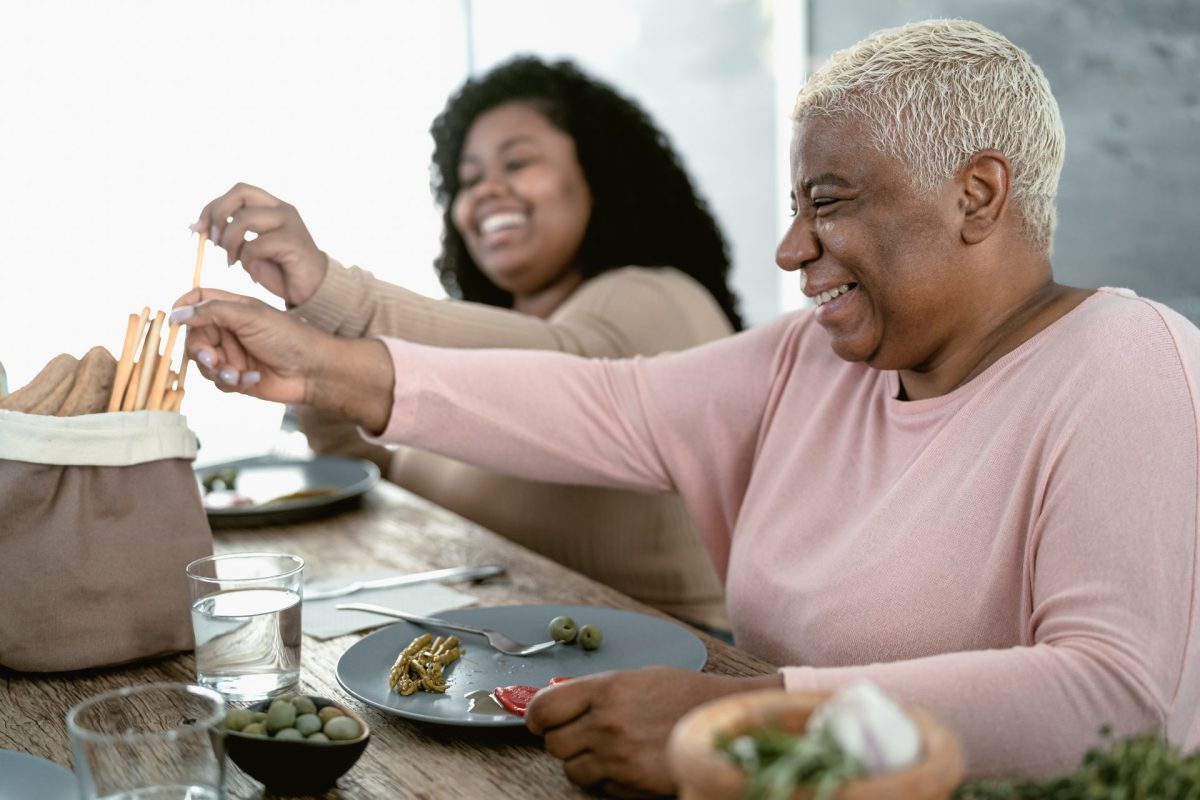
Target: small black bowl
[296,767]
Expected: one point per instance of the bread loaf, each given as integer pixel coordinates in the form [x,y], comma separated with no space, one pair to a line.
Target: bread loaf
[93,384]
[49,388]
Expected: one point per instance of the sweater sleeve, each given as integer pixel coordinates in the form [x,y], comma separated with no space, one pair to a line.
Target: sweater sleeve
[621,313]
[651,424]
[1111,633]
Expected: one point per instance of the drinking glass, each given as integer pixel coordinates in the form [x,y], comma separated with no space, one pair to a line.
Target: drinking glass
[154,742]
[246,617]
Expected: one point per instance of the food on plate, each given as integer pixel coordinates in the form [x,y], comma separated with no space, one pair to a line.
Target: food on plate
[590,637]
[294,718]
[220,479]
[563,629]
[421,665]
[516,698]
[303,494]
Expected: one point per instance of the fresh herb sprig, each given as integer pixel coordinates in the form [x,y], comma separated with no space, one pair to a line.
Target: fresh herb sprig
[1136,768]
[776,762]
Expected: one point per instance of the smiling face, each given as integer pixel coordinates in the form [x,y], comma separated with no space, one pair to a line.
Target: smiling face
[523,204]
[876,255]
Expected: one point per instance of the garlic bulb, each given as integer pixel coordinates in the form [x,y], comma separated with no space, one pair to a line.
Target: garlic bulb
[870,727]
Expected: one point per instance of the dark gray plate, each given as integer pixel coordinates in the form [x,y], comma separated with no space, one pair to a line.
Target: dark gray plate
[631,640]
[265,478]
[23,776]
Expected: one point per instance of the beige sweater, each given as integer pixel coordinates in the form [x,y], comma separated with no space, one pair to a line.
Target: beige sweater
[642,544]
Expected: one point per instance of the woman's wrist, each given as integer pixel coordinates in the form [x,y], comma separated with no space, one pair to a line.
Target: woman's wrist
[354,380]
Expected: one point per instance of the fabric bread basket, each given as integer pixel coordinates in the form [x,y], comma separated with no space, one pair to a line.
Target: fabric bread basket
[99,516]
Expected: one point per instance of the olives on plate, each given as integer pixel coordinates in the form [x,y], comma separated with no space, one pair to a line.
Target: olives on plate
[590,637]
[295,718]
[563,629]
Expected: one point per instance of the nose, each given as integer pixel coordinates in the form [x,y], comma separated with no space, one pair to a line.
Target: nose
[799,246]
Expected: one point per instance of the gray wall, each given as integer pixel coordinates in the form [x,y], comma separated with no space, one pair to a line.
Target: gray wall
[1127,79]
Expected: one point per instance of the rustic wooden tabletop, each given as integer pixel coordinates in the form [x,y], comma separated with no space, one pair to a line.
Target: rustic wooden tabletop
[398,532]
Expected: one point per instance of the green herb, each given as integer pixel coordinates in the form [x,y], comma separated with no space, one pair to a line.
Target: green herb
[1137,768]
[776,762]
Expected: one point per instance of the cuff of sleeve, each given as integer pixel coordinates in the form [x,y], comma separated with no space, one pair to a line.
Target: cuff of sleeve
[800,679]
[404,402]
[328,307]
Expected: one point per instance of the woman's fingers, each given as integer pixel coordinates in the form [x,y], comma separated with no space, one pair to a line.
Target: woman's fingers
[245,225]
[215,216]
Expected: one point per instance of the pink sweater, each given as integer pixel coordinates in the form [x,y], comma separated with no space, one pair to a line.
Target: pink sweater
[1018,556]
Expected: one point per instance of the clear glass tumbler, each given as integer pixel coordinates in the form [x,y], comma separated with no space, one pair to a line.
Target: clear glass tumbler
[154,742]
[246,617]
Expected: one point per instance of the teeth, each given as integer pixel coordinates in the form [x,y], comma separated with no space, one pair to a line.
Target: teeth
[825,297]
[498,222]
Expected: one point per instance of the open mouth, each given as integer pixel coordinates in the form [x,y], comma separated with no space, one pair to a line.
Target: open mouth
[495,223]
[837,291]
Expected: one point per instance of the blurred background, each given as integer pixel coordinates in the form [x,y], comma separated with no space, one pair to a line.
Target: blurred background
[120,119]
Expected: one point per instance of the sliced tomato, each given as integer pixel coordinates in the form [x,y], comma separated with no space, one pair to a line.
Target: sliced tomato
[514,698]
[561,679]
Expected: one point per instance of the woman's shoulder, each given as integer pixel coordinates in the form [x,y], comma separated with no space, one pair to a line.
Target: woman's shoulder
[659,301]
[1134,342]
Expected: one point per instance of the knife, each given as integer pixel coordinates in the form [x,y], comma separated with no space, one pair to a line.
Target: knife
[474,573]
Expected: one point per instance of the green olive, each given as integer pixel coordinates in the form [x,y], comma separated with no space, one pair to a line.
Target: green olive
[563,629]
[280,715]
[255,729]
[237,718]
[342,728]
[289,733]
[308,723]
[329,712]
[316,737]
[590,637]
[304,705]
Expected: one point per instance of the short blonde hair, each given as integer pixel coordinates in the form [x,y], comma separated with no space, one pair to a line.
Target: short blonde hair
[934,93]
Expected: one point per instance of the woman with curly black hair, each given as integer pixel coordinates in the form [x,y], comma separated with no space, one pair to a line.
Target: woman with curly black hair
[570,225]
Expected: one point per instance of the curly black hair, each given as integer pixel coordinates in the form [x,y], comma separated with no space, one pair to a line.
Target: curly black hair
[645,211]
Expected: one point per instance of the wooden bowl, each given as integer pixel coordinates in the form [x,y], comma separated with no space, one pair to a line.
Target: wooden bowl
[289,767]
[703,772]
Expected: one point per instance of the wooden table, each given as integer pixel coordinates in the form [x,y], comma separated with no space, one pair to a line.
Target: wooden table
[400,532]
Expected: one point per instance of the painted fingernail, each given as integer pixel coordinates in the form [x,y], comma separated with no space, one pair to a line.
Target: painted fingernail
[228,376]
[213,232]
[183,313]
[205,358]
[250,378]
[194,227]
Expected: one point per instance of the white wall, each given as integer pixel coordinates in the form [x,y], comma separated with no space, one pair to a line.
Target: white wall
[120,119]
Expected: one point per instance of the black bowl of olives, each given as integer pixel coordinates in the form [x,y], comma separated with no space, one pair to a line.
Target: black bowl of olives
[295,744]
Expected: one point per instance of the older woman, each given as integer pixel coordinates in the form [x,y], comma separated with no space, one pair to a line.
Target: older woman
[955,477]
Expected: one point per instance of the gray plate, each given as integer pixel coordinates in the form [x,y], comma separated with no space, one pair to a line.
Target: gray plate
[23,776]
[631,640]
[264,478]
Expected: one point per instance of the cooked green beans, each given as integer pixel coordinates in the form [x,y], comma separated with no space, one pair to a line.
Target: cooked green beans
[420,665]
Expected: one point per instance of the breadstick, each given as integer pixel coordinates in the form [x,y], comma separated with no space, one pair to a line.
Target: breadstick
[125,365]
[176,400]
[130,397]
[182,371]
[199,259]
[150,359]
[159,384]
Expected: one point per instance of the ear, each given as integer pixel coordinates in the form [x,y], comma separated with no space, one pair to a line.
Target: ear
[984,183]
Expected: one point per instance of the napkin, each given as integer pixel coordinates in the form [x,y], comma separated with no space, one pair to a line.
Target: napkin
[322,620]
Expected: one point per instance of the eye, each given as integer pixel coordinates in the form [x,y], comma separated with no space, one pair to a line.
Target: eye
[514,164]
[467,181]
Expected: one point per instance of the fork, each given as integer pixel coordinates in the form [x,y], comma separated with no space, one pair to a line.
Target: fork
[496,639]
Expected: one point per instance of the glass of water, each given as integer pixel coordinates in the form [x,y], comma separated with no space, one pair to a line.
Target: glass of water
[246,617]
[154,742]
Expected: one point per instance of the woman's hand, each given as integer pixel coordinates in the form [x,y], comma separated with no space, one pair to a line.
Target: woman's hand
[282,256]
[612,728]
[243,345]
